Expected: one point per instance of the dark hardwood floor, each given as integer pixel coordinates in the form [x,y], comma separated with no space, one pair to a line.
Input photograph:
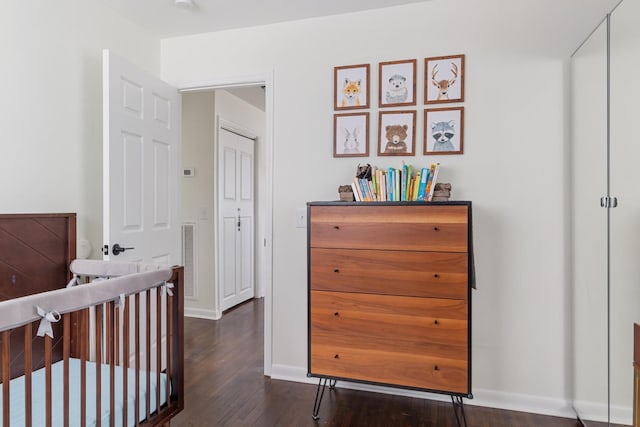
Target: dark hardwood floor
[225,386]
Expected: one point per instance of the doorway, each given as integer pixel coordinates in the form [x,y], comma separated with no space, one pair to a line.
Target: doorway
[203,111]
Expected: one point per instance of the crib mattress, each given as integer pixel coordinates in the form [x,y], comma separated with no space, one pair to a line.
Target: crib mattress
[17,407]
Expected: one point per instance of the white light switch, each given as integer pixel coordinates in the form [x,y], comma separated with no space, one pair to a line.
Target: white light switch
[301,217]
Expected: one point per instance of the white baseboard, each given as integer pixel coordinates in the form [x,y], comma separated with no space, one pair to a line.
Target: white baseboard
[596,411]
[202,313]
[556,407]
[486,398]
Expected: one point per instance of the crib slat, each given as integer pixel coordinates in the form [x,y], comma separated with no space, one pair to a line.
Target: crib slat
[28,368]
[158,345]
[47,365]
[112,367]
[169,312]
[125,361]
[84,347]
[116,332]
[98,333]
[66,337]
[148,351]
[6,375]
[137,343]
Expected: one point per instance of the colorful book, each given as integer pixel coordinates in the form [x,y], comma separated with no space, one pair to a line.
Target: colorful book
[374,182]
[432,171]
[372,191]
[356,193]
[435,169]
[416,185]
[403,183]
[390,183]
[424,177]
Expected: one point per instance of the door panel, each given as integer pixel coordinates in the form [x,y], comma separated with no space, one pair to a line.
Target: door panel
[237,218]
[141,164]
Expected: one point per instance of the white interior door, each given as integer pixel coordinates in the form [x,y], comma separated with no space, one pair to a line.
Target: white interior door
[142,155]
[236,198]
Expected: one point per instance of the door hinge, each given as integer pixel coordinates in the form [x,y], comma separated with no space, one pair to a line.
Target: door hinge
[105,250]
[608,202]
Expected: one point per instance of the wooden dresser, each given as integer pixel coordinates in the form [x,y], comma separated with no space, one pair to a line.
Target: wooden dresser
[390,294]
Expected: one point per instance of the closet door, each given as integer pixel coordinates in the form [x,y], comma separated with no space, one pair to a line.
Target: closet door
[589,227]
[625,218]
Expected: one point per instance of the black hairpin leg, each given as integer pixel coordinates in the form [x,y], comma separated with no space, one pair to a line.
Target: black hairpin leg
[458,409]
[319,393]
[332,384]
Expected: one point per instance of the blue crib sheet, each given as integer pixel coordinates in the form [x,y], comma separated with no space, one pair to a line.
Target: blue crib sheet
[17,407]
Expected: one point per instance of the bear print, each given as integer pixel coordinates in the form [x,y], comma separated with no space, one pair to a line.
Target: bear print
[396,134]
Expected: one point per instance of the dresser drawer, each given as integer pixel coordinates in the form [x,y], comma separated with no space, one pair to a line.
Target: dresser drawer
[392,368]
[395,324]
[421,274]
[420,228]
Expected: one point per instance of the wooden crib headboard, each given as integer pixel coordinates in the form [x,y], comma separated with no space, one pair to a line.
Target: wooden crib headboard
[35,253]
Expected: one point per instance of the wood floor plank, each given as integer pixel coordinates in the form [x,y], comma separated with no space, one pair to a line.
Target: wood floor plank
[225,386]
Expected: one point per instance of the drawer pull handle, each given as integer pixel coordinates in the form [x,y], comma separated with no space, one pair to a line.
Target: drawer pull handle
[435,368]
[337,356]
[337,227]
[435,322]
[337,270]
[436,229]
[336,314]
[436,275]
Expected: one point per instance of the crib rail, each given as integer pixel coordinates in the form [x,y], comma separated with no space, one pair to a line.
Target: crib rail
[122,353]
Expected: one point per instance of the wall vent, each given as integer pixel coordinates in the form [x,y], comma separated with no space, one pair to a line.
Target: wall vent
[189,256]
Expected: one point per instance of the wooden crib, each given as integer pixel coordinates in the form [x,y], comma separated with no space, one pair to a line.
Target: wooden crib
[109,351]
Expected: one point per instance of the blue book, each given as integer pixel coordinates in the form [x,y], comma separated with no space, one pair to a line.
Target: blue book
[390,183]
[424,177]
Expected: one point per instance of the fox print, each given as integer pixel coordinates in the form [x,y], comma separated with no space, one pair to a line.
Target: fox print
[351,93]
[443,133]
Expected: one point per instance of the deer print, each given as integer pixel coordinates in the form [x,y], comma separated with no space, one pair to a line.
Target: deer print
[444,85]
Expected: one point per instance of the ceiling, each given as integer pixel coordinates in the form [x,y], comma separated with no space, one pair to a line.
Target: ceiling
[163,18]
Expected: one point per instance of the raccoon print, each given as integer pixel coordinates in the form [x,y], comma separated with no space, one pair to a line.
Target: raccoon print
[443,133]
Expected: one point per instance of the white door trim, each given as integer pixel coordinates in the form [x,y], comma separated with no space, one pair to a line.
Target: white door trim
[264,251]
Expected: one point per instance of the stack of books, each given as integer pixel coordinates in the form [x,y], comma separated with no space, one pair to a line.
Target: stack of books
[399,185]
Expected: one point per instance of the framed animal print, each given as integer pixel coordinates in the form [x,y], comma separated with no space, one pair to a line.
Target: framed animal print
[397,83]
[351,87]
[351,135]
[444,79]
[444,130]
[397,133]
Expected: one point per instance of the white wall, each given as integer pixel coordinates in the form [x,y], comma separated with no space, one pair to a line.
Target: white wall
[51,105]
[200,114]
[198,130]
[513,170]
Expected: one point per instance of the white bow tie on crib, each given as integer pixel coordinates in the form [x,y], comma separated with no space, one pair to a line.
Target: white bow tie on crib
[45,324]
